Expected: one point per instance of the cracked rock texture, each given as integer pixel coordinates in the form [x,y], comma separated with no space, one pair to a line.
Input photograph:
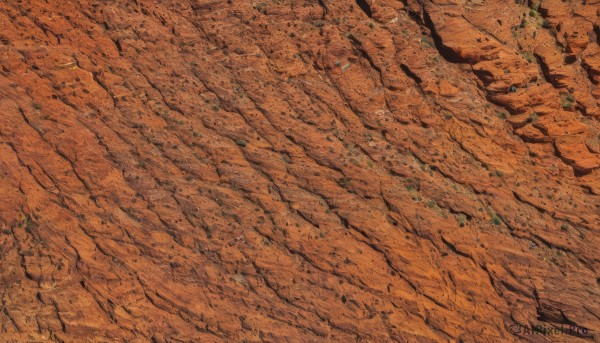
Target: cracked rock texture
[299,170]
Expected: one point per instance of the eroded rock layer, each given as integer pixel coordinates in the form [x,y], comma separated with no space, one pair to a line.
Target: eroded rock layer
[299,170]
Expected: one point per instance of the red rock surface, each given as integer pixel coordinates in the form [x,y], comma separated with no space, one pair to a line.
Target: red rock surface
[300,171]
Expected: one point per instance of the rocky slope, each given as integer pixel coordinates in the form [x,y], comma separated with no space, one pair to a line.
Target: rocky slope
[299,170]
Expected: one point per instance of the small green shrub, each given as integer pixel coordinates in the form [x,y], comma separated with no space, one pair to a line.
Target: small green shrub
[546,24]
[462,219]
[496,220]
[523,23]
[567,101]
[533,117]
